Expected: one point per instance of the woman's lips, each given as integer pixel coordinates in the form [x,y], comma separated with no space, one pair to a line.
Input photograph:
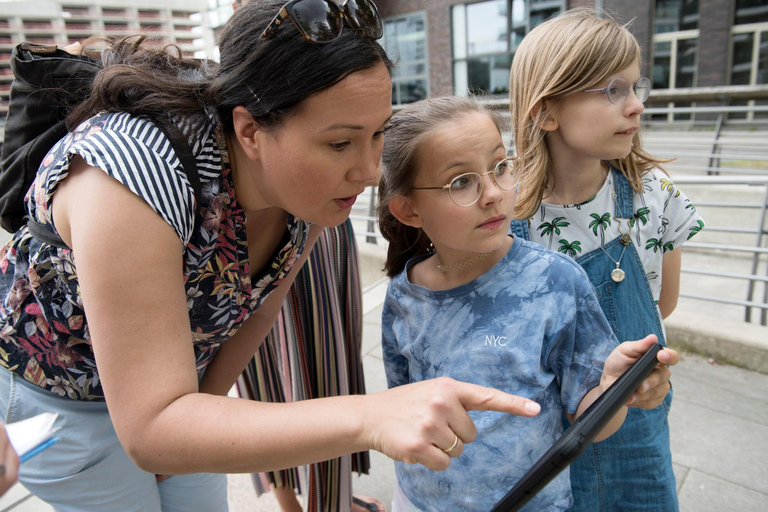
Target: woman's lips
[345,202]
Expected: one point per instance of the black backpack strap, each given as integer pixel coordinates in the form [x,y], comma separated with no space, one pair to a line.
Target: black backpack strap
[184,153]
[45,235]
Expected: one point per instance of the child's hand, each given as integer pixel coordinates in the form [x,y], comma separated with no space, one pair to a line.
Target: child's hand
[652,391]
[427,422]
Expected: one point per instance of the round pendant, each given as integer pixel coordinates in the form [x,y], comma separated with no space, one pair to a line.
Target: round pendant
[625,239]
[617,275]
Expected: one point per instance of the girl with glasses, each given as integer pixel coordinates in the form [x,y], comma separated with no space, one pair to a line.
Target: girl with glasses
[135,327]
[589,190]
[470,302]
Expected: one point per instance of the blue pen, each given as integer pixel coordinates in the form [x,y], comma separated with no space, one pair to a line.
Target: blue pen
[37,449]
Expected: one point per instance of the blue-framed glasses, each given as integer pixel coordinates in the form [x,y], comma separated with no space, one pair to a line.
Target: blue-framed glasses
[618,90]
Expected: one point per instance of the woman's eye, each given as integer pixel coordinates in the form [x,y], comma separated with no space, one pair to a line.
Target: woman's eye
[378,134]
[338,146]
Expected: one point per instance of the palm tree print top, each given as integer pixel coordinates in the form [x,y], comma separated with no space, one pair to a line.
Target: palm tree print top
[663,220]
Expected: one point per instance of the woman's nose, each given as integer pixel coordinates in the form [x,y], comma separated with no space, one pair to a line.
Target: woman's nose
[368,168]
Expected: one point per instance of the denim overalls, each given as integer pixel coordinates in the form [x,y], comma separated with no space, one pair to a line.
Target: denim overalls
[632,469]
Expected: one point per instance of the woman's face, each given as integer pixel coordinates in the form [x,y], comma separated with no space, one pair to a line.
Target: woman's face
[318,161]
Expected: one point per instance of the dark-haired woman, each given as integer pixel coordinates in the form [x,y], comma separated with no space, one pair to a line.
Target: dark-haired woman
[156,290]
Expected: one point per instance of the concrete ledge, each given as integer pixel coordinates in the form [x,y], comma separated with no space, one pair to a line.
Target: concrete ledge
[737,343]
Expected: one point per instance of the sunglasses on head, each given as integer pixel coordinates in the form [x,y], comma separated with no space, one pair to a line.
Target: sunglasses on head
[321,21]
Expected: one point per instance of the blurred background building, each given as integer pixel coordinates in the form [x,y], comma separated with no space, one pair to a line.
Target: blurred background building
[184,22]
[448,46]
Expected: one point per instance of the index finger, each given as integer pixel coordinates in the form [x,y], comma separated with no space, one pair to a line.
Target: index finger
[481,398]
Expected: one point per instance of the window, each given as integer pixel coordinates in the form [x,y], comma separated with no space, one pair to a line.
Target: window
[405,40]
[750,11]
[749,50]
[675,48]
[485,37]
[675,15]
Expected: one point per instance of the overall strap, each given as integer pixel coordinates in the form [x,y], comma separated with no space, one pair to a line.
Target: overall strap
[625,195]
[520,228]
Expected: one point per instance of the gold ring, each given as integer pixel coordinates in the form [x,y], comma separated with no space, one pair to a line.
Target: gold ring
[454,445]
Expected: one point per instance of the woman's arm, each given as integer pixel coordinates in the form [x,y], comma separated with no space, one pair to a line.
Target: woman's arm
[651,392]
[670,281]
[129,265]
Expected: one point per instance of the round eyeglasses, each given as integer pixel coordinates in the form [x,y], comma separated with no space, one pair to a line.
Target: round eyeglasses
[465,189]
[618,89]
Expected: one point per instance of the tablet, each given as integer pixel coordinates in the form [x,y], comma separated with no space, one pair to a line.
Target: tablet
[578,436]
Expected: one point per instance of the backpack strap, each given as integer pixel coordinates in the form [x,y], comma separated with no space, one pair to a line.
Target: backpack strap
[184,153]
[44,234]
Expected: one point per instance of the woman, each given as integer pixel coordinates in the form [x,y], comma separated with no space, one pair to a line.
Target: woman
[286,133]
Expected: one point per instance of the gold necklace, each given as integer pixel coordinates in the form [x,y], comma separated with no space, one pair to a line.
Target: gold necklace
[462,264]
[617,274]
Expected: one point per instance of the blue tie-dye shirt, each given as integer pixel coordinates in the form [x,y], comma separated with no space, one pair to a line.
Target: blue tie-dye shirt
[530,326]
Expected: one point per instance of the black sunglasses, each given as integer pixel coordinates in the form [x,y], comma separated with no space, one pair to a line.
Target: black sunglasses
[321,21]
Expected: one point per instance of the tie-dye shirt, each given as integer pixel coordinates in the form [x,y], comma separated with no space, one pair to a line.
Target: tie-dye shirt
[530,326]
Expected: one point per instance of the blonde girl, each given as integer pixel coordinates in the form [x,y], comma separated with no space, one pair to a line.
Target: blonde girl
[590,191]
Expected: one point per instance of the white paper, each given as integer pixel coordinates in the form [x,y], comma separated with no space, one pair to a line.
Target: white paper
[26,434]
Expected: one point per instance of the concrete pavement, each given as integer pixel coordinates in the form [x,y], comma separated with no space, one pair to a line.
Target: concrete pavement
[719,427]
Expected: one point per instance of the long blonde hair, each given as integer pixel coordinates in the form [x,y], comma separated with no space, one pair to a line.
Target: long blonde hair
[563,56]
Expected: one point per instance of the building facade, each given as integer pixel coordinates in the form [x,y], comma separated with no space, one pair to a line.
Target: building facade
[183,22]
[458,47]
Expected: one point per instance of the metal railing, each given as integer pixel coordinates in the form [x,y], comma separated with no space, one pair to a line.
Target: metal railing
[725,251]
[729,155]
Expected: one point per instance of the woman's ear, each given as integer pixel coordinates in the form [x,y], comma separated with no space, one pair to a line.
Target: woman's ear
[402,209]
[543,116]
[246,131]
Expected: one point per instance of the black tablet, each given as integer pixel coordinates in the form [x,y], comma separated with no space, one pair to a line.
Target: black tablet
[578,436]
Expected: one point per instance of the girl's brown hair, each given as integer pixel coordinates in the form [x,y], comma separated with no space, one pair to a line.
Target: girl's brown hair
[560,57]
[403,136]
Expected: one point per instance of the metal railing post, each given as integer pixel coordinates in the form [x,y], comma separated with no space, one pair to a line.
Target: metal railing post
[714,162]
[756,262]
[371,239]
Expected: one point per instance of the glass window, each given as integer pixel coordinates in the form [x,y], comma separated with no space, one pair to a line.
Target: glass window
[762,59]
[675,15]
[662,53]
[405,40]
[487,27]
[686,62]
[489,74]
[750,11]
[485,37]
[742,58]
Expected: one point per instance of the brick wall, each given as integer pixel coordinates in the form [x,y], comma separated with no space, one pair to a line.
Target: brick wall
[641,18]
[715,18]
[439,49]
